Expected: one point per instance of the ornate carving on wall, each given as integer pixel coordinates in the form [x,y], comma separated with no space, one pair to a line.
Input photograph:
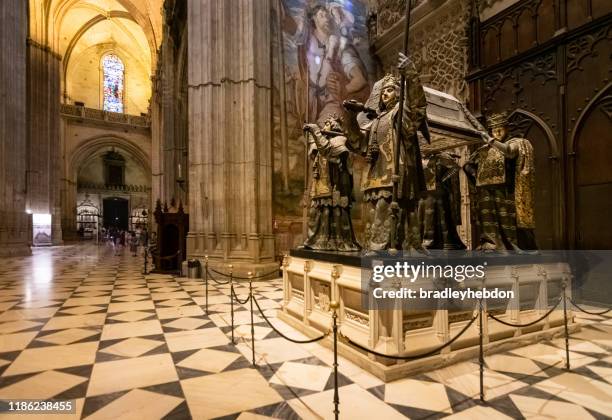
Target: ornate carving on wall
[443,55]
[584,46]
[541,66]
[519,125]
[512,13]
[389,13]
[493,83]
[439,40]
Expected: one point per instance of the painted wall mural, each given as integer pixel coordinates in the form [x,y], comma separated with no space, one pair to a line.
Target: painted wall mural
[322,58]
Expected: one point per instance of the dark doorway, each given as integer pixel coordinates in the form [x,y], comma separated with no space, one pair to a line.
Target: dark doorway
[116,213]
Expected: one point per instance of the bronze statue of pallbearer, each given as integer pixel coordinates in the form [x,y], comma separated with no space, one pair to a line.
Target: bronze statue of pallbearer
[329,222]
[393,179]
[440,207]
[503,172]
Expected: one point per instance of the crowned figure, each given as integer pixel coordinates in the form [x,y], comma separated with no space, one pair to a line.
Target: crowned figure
[503,172]
[329,222]
[373,131]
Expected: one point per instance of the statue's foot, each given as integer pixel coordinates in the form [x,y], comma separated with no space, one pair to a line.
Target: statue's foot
[526,251]
[488,248]
[417,251]
[368,253]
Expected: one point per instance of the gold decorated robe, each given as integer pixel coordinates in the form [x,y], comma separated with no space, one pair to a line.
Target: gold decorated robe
[492,171]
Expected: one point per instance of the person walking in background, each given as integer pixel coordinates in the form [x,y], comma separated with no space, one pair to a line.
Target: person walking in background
[133,243]
[119,242]
[144,239]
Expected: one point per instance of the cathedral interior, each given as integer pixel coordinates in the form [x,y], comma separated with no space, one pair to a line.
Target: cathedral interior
[189,187]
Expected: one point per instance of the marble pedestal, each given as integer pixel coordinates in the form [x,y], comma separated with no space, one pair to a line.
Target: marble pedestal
[309,285]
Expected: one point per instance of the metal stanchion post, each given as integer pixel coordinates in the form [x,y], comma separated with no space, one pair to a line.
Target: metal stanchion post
[250,275]
[206,281]
[231,273]
[481,352]
[334,306]
[146,253]
[567,357]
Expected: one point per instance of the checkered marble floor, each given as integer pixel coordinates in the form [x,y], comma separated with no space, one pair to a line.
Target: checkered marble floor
[78,322]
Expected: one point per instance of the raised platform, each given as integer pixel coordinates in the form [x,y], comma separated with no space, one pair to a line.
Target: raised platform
[352,258]
[310,285]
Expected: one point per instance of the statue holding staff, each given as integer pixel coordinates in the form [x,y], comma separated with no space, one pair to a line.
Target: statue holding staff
[393,179]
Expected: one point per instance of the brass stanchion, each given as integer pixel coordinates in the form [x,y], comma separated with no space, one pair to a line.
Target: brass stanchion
[231,274]
[567,357]
[146,253]
[206,281]
[334,306]
[250,275]
[481,352]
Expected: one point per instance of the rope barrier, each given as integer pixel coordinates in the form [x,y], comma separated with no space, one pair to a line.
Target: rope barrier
[261,276]
[529,324]
[589,312]
[238,300]
[167,257]
[244,278]
[214,279]
[417,356]
[312,340]
[217,272]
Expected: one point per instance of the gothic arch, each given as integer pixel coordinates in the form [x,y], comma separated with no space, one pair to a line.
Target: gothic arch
[55,10]
[92,145]
[592,104]
[552,141]
[590,176]
[87,26]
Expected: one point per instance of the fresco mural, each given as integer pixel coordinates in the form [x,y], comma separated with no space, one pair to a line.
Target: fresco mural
[322,59]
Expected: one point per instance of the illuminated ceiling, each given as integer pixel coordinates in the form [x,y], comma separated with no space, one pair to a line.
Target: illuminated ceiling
[70,27]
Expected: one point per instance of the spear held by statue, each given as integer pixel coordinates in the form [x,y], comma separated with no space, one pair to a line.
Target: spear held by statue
[394,245]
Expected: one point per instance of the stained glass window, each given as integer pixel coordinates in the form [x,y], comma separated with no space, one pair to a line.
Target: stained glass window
[113,70]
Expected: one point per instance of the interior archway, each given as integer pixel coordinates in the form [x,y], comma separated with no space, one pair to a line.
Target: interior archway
[593,174]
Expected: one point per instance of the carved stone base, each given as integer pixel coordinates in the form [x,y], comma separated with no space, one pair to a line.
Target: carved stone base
[310,285]
[405,369]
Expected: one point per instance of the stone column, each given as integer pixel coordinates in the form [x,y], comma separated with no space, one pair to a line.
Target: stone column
[43,134]
[68,190]
[14,238]
[230,131]
[157,147]
[167,118]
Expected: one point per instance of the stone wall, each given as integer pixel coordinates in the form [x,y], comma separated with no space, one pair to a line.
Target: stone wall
[14,230]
